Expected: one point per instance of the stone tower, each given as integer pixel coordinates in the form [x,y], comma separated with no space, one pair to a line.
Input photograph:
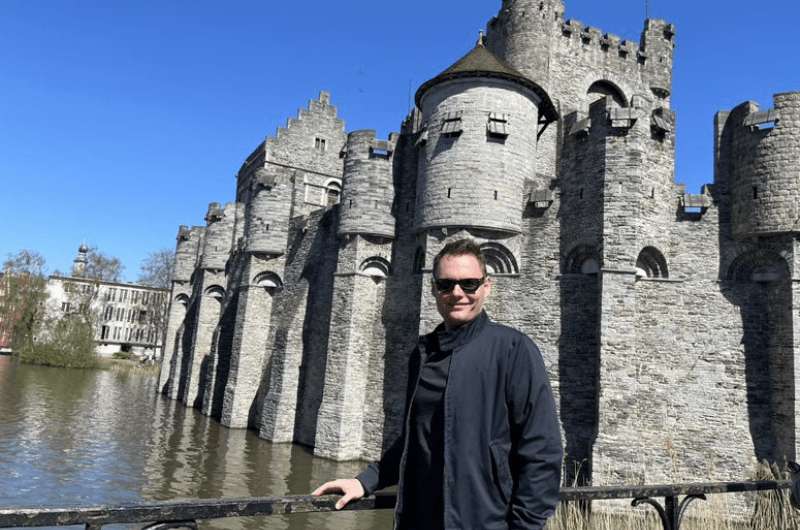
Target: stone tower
[366,231]
[210,294]
[477,155]
[762,149]
[189,241]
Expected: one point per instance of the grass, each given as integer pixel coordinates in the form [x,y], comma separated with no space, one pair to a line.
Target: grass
[128,366]
[768,510]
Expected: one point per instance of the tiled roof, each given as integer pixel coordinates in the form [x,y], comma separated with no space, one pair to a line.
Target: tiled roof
[480,62]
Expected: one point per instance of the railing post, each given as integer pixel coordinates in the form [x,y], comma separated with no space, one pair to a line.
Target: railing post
[672,521]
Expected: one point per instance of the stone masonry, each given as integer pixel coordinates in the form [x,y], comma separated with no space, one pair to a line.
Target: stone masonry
[669,322]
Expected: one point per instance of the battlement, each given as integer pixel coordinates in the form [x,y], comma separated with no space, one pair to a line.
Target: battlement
[215,213]
[183,233]
[534,37]
[757,155]
[368,191]
[186,249]
[364,144]
[749,115]
[657,28]
[589,36]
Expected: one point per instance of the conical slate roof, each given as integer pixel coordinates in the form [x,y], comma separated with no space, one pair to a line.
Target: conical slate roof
[480,62]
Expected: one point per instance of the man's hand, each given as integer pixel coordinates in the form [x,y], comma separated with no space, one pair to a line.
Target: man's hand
[350,488]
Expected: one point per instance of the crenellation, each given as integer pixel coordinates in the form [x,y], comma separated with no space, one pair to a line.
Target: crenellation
[552,144]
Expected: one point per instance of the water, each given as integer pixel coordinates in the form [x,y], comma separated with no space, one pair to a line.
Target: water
[93,437]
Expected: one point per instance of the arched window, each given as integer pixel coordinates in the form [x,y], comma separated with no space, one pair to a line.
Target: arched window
[376,267]
[499,260]
[215,291]
[651,264]
[182,299]
[269,281]
[759,266]
[582,259]
[603,89]
[333,192]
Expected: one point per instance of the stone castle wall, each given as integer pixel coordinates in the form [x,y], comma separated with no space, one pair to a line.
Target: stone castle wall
[667,321]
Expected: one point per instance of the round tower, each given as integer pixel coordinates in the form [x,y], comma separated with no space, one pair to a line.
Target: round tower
[523,34]
[367,185]
[186,253]
[765,174]
[481,120]
[217,243]
[658,44]
[267,213]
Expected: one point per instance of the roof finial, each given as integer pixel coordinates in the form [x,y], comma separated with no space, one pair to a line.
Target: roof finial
[481,39]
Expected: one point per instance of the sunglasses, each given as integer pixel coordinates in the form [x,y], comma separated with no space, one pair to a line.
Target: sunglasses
[468,285]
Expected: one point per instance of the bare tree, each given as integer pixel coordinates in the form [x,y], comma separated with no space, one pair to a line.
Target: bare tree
[156,269]
[102,267]
[23,290]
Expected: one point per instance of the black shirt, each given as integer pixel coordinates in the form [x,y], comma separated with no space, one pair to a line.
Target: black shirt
[423,499]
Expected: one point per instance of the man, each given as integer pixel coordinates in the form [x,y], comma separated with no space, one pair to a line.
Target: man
[481,445]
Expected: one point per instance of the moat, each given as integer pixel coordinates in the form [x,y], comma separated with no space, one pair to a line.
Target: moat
[90,437]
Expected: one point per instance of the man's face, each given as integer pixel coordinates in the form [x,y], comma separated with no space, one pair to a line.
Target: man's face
[456,306]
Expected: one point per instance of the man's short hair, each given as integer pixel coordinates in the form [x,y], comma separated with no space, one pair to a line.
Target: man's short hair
[460,247]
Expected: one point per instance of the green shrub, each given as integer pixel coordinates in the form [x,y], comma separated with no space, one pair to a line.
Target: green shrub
[67,342]
[124,355]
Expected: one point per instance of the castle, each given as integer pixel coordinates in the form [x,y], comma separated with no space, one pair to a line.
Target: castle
[668,321]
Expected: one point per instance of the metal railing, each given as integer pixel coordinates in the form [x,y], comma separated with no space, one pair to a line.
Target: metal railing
[185,514]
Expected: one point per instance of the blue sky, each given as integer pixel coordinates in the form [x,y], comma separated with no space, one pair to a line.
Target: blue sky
[120,120]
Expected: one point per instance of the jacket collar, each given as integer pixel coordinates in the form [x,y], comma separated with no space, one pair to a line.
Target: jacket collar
[451,339]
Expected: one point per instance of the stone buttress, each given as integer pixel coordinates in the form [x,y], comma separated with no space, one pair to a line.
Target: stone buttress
[267,213]
[309,152]
[354,370]
[189,241]
[209,290]
[218,362]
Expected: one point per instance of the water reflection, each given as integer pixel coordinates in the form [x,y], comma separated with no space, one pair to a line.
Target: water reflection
[99,437]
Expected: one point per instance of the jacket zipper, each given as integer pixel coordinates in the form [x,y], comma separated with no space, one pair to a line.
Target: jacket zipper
[447,416]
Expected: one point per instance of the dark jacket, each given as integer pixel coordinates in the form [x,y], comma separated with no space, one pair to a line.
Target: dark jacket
[502,444]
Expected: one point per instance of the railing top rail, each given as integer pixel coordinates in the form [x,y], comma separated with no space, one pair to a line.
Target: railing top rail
[669,490]
[167,511]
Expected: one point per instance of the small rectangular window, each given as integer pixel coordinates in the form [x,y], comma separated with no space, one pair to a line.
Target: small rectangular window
[451,124]
[377,152]
[65,307]
[497,126]
[319,144]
